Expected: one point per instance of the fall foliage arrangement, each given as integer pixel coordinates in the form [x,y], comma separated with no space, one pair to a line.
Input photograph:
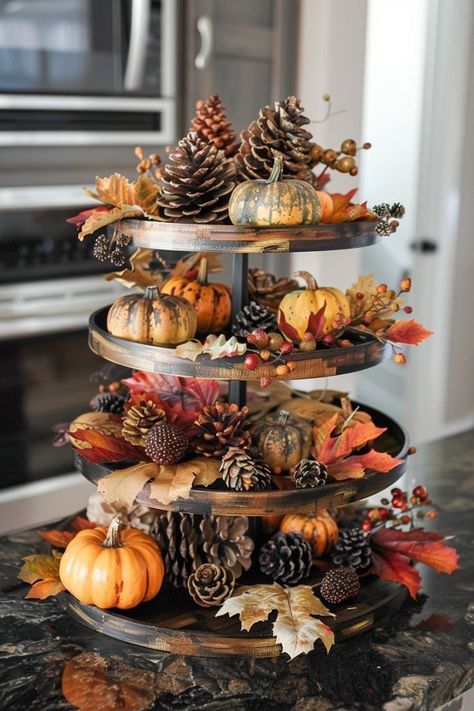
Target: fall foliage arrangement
[160,440]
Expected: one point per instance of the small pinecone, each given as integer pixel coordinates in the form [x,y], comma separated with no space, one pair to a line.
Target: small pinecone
[382,210]
[339,585]
[165,443]
[101,249]
[268,291]
[286,558]
[278,131]
[384,228]
[139,420]
[253,316]
[108,402]
[212,125]
[397,210]
[197,182]
[210,585]
[352,550]
[224,541]
[178,536]
[221,426]
[309,474]
[242,473]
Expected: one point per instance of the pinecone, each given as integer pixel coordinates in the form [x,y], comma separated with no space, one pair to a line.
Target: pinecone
[278,131]
[212,125]
[221,426]
[139,420]
[384,228]
[101,249]
[197,182]
[223,542]
[286,558]
[251,317]
[165,443]
[397,210]
[108,402]
[242,473]
[382,210]
[339,585]
[178,536]
[101,513]
[352,550]
[267,290]
[210,585]
[309,474]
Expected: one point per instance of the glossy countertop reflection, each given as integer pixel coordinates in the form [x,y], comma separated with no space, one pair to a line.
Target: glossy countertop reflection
[423,657]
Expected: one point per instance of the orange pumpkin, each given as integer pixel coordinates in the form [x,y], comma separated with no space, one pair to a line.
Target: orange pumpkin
[271,524]
[327,205]
[212,302]
[152,318]
[282,441]
[319,529]
[112,568]
[297,307]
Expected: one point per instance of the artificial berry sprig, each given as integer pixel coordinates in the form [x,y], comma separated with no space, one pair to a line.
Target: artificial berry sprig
[401,510]
[149,166]
[111,249]
[271,349]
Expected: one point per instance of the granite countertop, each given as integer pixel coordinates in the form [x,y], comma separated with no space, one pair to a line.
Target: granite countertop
[421,659]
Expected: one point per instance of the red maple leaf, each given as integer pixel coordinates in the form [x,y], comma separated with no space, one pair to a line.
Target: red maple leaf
[82,216]
[396,568]
[321,181]
[409,332]
[58,539]
[79,523]
[316,323]
[423,546]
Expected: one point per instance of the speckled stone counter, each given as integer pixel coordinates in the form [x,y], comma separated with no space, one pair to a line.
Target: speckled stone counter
[421,659]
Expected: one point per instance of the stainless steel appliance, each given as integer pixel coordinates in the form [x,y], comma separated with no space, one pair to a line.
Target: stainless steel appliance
[49,285]
[87,72]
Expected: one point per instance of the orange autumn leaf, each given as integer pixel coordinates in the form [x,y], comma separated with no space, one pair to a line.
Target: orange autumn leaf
[98,436]
[79,523]
[42,572]
[45,588]
[350,213]
[58,539]
[397,569]
[423,546]
[341,200]
[409,332]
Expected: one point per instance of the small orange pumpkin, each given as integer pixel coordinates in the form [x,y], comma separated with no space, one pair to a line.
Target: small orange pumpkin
[327,205]
[152,318]
[212,302]
[112,568]
[297,307]
[319,529]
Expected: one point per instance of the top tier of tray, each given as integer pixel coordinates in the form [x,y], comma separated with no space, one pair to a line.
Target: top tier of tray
[192,237]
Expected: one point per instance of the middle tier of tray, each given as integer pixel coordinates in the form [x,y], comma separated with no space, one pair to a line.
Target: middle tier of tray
[366,352]
[280,501]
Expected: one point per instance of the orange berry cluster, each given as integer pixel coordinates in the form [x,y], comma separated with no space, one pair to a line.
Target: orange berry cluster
[271,350]
[342,160]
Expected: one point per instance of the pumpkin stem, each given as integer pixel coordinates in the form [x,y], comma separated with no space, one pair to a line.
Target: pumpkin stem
[151,292]
[311,282]
[283,416]
[202,273]
[112,539]
[276,170]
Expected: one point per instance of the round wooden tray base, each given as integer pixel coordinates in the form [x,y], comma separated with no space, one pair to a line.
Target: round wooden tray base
[174,623]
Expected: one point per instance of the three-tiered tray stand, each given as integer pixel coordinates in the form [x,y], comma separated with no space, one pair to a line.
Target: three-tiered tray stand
[173,622]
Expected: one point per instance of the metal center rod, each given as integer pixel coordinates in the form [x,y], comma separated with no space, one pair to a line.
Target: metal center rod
[240,267]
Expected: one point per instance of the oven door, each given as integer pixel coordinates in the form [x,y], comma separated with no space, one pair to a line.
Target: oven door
[87,71]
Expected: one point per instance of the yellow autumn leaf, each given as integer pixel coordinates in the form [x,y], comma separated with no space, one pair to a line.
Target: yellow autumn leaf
[146,191]
[106,217]
[102,422]
[122,486]
[141,272]
[113,190]
[295,627]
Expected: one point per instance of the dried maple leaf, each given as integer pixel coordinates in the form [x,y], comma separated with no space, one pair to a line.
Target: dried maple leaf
[181,398]
[423,546]
[82,216]
[58,539]
[101,218]
[142,272]
[145,192]
[98,436]
[409,332]
[168,482]
[214,346]
[397,569]
[113,190]
[341,200]
[79,523]
[42,572]
[295,628]
[350,213]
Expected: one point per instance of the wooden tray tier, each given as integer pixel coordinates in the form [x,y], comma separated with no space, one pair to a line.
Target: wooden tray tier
[190,237]
[318,364]
[281,501]
[174,623]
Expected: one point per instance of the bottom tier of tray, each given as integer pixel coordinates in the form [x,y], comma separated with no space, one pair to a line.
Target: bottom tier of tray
[174,623]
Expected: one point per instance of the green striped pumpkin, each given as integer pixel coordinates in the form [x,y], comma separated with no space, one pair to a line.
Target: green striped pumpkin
[274,202]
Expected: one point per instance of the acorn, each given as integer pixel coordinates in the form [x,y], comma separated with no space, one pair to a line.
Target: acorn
[339,585]
[165,443]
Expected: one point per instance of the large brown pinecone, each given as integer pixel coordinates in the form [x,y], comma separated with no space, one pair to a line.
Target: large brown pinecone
[139,420]
[267,290]
[223,541]
[187,541]
[278,131]
[242,473]
[221,426]
[286,558]
[178,537]
[211,124]
[211,584]
[253,316]
[197,182]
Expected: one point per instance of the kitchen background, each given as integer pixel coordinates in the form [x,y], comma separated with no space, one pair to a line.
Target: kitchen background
[83,82]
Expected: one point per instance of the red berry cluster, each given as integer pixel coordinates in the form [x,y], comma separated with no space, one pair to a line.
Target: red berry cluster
[271,349]
[399,510]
